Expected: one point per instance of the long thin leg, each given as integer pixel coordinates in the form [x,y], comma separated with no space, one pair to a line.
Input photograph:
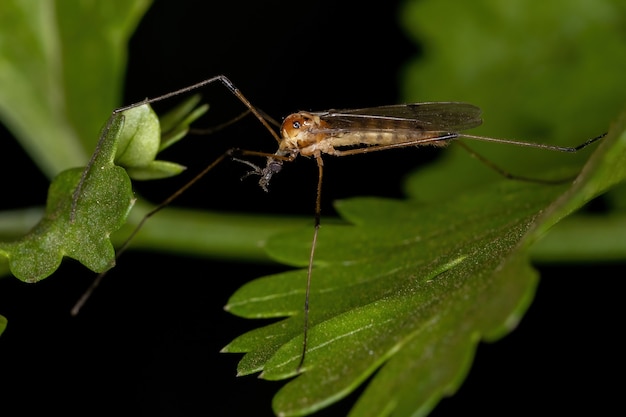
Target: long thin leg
[318,218]
[81,302]
[219,78]
[556,148]
[213,129]
[226,82]
[230,153]
[445,138]
[507,174]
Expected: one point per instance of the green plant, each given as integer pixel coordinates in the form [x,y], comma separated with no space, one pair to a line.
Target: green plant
[408,288]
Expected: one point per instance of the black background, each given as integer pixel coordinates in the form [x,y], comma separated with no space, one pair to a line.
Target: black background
[148,342]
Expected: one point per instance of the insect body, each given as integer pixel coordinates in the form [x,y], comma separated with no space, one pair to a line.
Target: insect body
[347,132]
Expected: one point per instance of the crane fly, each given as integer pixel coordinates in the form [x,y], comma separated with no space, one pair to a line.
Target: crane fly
[341,133]
[312,134]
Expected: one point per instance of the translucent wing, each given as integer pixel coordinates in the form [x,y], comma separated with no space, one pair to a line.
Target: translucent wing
[436,116]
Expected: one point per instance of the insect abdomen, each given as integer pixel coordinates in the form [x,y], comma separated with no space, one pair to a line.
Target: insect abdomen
[388,137]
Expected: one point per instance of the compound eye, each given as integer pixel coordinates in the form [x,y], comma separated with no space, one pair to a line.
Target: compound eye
[295,124]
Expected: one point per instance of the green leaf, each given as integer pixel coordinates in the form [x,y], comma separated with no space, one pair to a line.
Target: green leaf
[61,65]
[407,290]
[550,73]
[84,207]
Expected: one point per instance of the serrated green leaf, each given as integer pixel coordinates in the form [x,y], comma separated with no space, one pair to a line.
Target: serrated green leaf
[84,207]
[406,289]
[369,301]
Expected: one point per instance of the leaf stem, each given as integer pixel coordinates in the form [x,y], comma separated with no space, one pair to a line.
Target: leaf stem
[224,236]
